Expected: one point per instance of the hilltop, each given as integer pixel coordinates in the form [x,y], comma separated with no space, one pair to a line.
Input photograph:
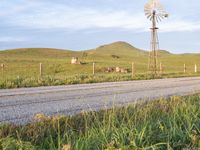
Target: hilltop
[117,48]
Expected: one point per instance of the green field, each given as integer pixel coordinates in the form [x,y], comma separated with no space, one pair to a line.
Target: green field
[22,65]
[159,125]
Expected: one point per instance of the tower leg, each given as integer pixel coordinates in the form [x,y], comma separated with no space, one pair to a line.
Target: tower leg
[153,57]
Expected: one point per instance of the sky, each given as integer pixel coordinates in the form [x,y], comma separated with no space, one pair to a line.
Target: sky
[86,24]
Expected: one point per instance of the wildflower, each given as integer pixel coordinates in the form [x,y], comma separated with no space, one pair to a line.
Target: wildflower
[161,127]
[195,139]
[40,117]
[66,147]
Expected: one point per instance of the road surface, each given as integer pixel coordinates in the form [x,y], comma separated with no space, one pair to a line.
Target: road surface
[20,105]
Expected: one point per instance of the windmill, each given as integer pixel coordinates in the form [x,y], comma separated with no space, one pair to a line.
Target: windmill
[155,13]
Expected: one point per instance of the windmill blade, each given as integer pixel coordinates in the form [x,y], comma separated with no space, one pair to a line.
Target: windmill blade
[159,18]
[148,6]
[162,12]
[147,9]
[149,16]
[163,15]
[156,19]
[148,13]
[155,5]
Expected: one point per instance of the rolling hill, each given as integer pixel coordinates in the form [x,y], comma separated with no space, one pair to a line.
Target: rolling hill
[117,48]
[121,49]
[110,55]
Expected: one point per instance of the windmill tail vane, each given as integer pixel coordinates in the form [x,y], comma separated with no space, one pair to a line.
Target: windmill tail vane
[155,12]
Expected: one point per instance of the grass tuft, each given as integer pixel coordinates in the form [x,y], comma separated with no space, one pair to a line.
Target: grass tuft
[163,124]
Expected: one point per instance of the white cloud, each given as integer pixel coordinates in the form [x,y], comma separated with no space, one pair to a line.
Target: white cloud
[60,16]
[12,39]
[180,26]
[13,8]
[65,17]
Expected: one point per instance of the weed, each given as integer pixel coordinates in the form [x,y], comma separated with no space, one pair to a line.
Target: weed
[163,124]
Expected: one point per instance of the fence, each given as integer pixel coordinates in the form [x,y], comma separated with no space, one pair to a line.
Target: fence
[63,70]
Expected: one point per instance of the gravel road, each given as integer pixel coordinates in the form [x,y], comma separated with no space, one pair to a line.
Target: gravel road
[20,105]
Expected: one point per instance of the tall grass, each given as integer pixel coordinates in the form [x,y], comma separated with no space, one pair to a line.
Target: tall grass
[78,79]
[163,124]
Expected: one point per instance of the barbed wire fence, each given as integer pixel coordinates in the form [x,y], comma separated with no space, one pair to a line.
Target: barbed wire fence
[92,68]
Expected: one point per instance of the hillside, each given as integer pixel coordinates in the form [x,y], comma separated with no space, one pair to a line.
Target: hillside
[119,49]
[37,53]
[109,55]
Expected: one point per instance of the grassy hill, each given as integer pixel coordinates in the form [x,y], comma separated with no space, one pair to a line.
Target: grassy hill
[36,53]
[115,53]
[121,49]
[24,63]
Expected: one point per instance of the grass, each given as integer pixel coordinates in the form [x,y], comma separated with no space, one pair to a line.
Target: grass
[22,65]
[163,124]
[49,80]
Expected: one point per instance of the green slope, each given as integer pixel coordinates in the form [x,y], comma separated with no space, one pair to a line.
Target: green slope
[121,49]
[37,53]
[110,55]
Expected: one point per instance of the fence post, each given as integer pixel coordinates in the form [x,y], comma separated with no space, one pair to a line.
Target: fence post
[184,68]
[40,69]
[133,69]
[161,69]
[93,69]
[2,68]
[195,68]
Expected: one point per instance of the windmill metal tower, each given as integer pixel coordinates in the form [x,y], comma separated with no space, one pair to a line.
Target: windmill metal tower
[155,13]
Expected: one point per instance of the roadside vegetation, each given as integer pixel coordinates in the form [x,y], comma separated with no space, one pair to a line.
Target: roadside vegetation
[172,123]
[21,67]
[20,82]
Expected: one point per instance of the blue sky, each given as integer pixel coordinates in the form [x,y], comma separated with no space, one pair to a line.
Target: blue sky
[85,24]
